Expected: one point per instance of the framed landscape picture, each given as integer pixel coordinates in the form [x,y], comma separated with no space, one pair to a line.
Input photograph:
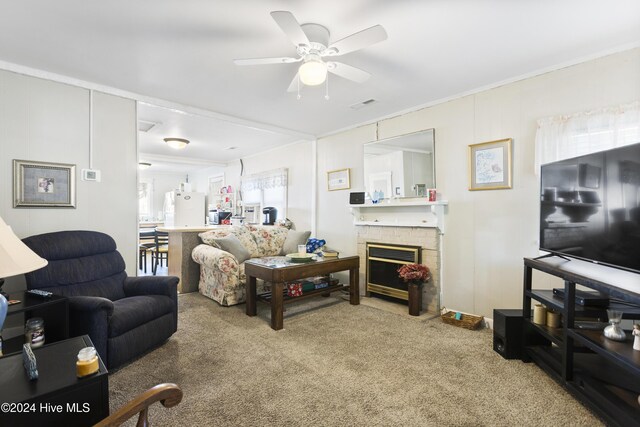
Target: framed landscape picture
[41,184]
[490,165]
[338,179]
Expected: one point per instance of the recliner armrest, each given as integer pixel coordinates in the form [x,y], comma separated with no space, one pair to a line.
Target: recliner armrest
[90,315]
[151,285]
[90,304]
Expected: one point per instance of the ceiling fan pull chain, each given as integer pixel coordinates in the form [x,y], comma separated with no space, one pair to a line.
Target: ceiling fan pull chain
[326,94]
[299,88]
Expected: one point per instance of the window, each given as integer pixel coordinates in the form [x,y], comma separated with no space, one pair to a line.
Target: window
[563,137]
[144,200]
[267,189]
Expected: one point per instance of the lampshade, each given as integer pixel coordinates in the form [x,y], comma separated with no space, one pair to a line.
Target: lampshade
[15,257]
[176,143]
[314,71]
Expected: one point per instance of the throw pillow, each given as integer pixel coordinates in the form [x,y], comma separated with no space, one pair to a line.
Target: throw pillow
[294,238]
[232,245]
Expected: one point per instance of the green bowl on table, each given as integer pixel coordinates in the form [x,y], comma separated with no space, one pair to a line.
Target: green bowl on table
[300,258]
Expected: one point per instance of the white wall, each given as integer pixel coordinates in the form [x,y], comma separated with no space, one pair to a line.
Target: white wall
[200,179]
[48,121]
[488,232]
[160,183]
[297,158]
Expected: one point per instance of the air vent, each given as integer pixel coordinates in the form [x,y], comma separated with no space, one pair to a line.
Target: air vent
[363,104]
[146,126]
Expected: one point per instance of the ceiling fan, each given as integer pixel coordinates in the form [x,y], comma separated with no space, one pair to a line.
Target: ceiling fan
[312,47]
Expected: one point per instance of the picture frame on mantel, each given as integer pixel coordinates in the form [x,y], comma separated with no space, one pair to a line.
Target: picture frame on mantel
[339,179]
[43,184]
[490,165]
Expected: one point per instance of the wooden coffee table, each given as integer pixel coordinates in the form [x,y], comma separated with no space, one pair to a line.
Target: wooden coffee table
[278,270]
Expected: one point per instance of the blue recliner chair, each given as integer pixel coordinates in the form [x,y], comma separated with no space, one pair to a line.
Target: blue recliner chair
[124,316]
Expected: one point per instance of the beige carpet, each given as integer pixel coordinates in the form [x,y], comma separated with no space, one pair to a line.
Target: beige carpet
[339,365]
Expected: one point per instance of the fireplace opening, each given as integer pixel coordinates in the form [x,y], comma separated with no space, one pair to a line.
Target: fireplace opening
[382,263]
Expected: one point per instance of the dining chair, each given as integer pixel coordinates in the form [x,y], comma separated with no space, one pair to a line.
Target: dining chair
[160,251]
[146,241]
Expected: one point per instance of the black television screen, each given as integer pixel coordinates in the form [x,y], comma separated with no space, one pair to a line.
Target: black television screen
[590,207]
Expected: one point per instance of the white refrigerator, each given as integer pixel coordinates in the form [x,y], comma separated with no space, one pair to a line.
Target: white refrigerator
[187,210]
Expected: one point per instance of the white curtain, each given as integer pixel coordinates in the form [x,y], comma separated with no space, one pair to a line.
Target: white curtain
[267,189]
[563,137]
[265,180]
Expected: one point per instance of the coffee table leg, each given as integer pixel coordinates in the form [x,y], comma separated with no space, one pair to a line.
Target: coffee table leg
[276,306]
[354,286]
[251,296]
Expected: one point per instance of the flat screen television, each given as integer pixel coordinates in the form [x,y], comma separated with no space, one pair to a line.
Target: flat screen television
[590,207]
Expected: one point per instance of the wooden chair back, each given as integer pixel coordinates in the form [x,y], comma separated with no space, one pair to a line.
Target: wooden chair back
[167,394]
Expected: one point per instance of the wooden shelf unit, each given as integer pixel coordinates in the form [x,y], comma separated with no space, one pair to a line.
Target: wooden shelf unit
[266,297]
[603,374]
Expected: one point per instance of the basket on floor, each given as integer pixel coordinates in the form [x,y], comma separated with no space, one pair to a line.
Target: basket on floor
[467,321]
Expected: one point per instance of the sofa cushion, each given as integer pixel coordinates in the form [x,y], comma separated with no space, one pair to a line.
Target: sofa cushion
[293,239]
[240,231]
[131,312]
[232,245]
[269,240]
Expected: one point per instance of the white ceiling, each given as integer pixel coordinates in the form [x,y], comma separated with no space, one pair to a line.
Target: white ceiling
[210,138]
[182,51]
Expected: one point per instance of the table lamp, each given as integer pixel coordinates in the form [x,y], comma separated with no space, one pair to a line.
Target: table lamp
[15,258]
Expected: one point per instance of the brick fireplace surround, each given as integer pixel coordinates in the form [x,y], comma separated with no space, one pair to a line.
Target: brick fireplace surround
[428,238]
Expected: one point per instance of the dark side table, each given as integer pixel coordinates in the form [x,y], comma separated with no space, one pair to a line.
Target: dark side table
[57,397]
[53,310]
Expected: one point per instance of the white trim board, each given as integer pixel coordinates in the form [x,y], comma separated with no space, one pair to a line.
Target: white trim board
[566,64]
[174,106]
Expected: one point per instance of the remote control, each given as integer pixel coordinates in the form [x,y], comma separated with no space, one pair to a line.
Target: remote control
[39,293]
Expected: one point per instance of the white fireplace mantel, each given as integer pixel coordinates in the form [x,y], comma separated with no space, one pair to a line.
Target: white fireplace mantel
[401,213]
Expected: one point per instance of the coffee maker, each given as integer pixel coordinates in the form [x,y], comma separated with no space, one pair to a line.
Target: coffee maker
[270,214]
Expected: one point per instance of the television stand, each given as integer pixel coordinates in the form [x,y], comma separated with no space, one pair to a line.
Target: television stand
[550,254]
[604,375]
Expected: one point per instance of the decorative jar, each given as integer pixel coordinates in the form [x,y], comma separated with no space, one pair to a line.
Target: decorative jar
[34,332]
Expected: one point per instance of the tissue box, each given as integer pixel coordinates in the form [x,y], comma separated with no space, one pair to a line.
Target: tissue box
[294,289]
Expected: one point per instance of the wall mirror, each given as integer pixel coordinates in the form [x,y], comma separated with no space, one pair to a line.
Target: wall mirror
[402,166]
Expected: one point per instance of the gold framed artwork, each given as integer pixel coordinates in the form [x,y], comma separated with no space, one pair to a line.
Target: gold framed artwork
[339,179]
[490,165]
[43,184]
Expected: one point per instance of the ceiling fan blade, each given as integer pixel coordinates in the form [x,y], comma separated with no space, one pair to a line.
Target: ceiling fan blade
[294,84]
[261,61]
[359,40]
[288,23]
[348,72]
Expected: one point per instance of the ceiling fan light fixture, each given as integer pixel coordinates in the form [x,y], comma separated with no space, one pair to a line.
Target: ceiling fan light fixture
[176,143]
[314,71]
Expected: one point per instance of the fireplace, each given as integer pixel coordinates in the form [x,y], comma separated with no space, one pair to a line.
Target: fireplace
[382,263]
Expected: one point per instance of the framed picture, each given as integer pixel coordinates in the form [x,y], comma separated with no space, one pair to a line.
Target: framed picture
[41,184]
[339,179]
[490,165]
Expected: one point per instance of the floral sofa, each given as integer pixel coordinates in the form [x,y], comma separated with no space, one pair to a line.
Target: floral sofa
[222,277]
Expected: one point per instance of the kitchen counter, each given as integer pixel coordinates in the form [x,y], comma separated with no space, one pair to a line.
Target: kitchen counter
[199,229]
[150,224]
[182,241]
